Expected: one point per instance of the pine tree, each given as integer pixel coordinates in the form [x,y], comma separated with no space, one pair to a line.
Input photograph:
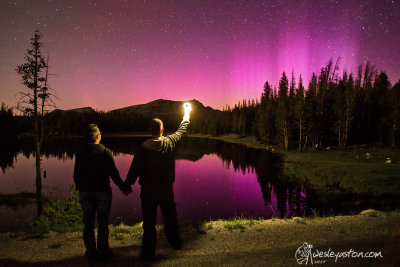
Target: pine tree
[349,99]
[395,118]
[368,112]
[291,117]
[383,110]
[282,112]
[7,121]
[299,112]
[311,114]
[235,118]
[322,103]
[243,121]
[340,109]
[263,113]
[359,108]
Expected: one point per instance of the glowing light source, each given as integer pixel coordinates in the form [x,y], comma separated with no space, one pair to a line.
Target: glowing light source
[187,108]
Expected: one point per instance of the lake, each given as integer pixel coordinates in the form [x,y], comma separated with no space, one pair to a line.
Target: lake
[214,180]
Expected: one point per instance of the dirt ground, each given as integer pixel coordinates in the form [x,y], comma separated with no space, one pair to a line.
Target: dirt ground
[225,243]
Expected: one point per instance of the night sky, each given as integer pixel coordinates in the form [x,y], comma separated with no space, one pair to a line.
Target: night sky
[111,54]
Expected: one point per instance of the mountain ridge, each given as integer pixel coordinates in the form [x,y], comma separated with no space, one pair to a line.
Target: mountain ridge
[155,106]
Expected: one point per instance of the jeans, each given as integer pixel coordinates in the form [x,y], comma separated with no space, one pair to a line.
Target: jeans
[92,202]
[150,200]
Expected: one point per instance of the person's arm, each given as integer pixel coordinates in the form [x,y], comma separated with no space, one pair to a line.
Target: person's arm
[77,171]
[113,172]
[175,137]
[134,170]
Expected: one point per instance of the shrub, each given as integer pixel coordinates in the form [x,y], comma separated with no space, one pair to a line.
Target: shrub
[66,213]
[60,215]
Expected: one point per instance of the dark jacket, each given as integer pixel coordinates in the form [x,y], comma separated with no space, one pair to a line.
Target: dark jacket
[154,163]
[94,165]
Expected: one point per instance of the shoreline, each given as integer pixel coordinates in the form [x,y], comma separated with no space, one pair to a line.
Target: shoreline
[362,171]
[237,242]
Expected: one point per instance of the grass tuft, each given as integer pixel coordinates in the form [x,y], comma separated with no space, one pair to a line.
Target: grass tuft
[55,246]
[199,228]
[235,225]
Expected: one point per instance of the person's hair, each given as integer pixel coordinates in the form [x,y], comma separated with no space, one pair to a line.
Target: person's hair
[91,133]
[155,126]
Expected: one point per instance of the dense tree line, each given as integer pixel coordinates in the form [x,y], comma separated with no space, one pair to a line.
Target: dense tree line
[72,123]
[7,121]
[333,111]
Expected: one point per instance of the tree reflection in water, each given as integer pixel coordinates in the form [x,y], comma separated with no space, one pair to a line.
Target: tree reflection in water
[292,199]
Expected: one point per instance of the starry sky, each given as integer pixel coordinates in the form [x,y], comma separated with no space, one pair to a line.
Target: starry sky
[112,54]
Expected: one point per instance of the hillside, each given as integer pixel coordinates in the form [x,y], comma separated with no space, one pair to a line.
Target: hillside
[127,119]
[162,108]
[75,110]
[152,109]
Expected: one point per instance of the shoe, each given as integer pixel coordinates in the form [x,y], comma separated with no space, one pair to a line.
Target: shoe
[177,244]
[147,256]
[90,256]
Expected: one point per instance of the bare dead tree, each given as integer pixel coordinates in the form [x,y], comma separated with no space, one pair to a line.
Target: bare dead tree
[46,96]
[36,100]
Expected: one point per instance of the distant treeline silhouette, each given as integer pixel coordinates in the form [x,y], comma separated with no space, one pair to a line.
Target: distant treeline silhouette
[7,122]
[334,110]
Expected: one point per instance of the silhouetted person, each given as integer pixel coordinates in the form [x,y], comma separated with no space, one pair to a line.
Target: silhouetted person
[94,165]
[155,165]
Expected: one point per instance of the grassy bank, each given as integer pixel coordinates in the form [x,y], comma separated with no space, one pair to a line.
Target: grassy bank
[237,242]
[364,171]
[373,171]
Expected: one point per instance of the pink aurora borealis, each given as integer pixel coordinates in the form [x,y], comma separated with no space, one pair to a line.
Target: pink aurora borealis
[111,54]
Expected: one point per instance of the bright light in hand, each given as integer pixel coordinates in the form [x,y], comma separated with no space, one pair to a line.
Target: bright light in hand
[187,108]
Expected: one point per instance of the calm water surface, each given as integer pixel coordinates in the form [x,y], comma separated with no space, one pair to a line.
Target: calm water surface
[214,180]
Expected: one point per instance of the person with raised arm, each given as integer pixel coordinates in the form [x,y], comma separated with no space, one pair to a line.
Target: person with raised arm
[154,164]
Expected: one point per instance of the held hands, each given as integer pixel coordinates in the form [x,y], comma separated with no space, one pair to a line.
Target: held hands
[127,192]
[126,189]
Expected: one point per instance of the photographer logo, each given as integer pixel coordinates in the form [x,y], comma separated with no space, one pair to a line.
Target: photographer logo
[305,254]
